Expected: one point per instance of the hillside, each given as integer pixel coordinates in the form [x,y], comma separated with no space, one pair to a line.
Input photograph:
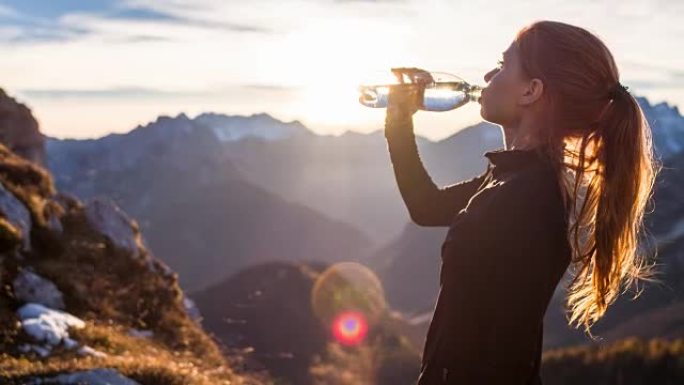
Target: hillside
[80,292]
[271,309]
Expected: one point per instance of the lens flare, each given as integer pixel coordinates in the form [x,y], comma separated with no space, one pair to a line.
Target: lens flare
[348,286]
[350,328]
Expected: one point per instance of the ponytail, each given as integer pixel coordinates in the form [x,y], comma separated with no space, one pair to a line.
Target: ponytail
[614,178]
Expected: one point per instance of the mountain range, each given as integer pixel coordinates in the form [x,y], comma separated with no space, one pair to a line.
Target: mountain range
[243,190]
[193,204]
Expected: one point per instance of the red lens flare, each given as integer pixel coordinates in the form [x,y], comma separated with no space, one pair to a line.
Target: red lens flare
[350,327]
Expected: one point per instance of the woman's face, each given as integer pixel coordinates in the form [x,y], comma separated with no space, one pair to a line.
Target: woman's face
[499,101]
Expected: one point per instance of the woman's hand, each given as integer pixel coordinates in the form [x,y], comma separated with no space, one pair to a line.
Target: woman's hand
[405,99]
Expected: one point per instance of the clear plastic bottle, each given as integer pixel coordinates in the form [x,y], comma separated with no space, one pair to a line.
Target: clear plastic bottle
[442,91]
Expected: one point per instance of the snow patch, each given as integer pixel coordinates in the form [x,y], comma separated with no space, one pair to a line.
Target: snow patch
[50,328]
[86,350]
[191,309]
[47,325]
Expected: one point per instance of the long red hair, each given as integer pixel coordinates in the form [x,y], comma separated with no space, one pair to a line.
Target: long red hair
[596,136]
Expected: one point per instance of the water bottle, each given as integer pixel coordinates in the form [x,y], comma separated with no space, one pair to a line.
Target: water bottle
[441,91]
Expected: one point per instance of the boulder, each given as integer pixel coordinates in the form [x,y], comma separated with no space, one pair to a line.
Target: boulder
[17,219]
[109,220]
[103,376]
[30,287]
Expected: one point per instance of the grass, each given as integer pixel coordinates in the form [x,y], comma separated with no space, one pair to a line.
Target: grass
[144,360]
[112,289]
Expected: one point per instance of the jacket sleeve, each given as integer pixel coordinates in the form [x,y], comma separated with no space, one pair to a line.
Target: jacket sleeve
[427,204]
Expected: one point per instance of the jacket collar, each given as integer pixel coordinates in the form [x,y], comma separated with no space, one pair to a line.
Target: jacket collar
[504,160]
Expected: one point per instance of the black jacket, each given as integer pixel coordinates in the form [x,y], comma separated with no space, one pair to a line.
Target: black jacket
[504,254]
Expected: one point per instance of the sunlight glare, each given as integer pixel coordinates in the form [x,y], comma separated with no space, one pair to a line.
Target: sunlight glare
[331,59]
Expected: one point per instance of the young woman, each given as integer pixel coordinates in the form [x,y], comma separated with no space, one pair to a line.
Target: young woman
[568,189]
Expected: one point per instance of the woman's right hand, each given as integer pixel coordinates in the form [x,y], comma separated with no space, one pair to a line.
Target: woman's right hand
[405,99]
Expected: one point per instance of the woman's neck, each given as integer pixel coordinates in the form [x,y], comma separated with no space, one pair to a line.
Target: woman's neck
[521,137]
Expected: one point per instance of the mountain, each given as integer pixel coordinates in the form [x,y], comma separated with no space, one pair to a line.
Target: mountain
[350,178]
[667,125]
[353,170]
[19,130]
[198,212]
[241,310]
[84,301]
[409,268]
[232,128]
[269,310]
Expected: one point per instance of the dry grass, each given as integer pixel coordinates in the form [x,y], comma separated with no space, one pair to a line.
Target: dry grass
[652,349]
[629,361]
[145,360]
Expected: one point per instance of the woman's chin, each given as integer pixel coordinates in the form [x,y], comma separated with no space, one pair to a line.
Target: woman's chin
[483,112]
[487,117]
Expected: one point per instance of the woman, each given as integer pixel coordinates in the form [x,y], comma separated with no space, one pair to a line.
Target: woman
[568,189]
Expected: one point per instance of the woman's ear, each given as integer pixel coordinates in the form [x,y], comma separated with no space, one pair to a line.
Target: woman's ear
[532,92]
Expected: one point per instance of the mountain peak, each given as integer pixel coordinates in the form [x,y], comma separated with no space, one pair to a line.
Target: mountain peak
[19,129]
[263,115]
[260,125]
[667,126]
[168,118]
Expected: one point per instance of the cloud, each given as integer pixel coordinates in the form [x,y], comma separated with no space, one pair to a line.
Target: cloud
[38,34]
[650,76]
[672,73]
[6,11]
[19,27]
[244,55]
[279,16]
[133,11]
[132,39]
[55,21]
[271,87]
[124,92]
[370,1]
[150,93]
[125,13]
[59,22]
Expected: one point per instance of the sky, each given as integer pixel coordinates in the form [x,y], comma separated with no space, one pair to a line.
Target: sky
[87,68]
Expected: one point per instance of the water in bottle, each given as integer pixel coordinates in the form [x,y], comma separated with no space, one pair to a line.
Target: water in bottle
[442,91]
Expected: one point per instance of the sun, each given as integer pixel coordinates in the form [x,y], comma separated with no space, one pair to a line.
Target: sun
[330,59]
[332,101]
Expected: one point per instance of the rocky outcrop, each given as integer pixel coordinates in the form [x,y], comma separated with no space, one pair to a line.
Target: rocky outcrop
[31,287]
[16,219]
[75,278]
[19,130]
[48,328]
[107,218]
